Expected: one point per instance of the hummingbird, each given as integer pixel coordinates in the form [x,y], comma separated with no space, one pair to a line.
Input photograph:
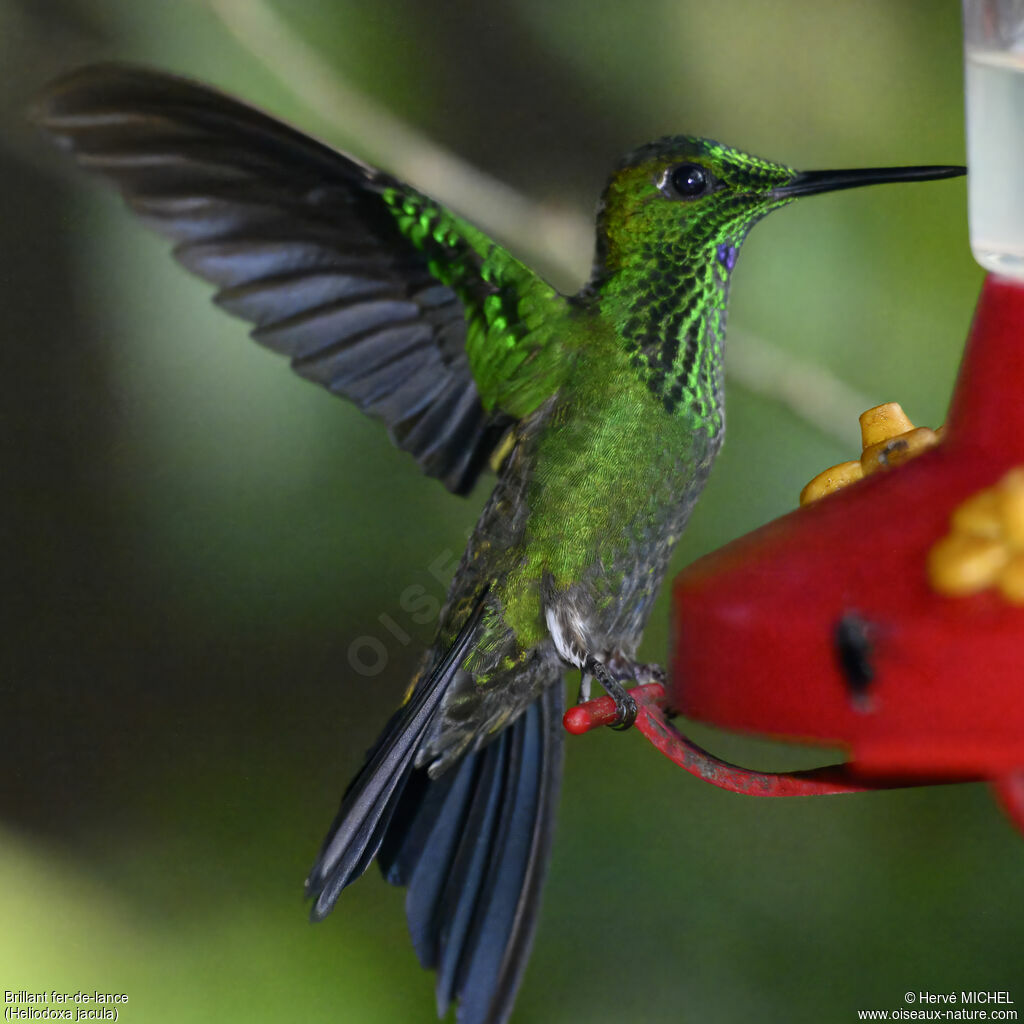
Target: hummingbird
[601,411]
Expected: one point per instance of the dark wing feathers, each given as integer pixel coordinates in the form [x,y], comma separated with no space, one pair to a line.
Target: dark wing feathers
[293,294]
[368,287]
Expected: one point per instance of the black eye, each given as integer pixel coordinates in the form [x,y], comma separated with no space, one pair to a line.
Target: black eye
[689,180]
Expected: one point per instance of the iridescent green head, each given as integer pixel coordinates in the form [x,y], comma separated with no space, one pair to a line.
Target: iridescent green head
[683,191]
[696,195]
[670,225]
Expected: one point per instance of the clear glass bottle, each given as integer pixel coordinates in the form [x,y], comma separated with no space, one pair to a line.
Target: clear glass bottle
[994,85]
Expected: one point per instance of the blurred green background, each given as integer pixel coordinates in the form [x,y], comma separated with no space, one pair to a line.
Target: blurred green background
[193,538]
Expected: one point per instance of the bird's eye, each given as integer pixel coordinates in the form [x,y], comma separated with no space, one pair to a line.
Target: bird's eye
[689,180]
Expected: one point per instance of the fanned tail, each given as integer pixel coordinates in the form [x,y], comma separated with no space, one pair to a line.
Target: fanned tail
[471,847]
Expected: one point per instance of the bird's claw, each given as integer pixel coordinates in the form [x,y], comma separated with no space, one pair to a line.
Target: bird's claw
[625,704]
[625,711]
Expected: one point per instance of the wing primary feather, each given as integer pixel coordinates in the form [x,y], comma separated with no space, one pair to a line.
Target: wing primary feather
[286,295]
[306,334]
[374,389]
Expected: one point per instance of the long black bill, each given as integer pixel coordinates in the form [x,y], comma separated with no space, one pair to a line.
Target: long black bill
[807,183]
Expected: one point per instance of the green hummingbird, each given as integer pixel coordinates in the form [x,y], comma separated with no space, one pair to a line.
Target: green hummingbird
[603,412]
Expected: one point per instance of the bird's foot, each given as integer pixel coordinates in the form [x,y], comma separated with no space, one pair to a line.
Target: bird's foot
[625,704]
[642,673]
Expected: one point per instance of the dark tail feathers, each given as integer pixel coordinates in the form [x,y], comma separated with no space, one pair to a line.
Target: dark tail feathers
[471,847]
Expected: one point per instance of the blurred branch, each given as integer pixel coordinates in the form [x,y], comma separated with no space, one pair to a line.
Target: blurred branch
[565,236]
[562,237]
[810,392]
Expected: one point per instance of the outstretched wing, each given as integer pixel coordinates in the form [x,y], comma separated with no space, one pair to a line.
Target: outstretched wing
[372,289]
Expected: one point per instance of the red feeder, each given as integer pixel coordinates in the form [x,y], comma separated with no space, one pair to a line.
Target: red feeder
[827,625]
